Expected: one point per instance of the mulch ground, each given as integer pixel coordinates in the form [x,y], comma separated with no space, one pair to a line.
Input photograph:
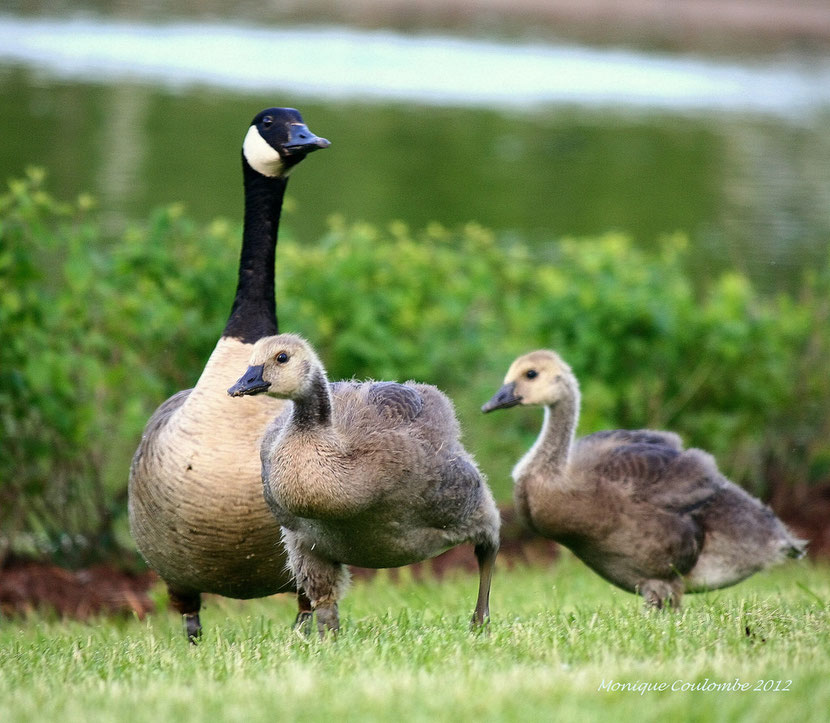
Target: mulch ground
[682,24]
[28,586]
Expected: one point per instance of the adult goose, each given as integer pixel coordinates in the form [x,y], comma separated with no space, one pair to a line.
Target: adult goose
[195,497]
[646,514]
[364,473]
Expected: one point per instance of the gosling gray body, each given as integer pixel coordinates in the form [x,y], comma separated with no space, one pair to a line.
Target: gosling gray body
[365,473]
[643,512]
[195,496]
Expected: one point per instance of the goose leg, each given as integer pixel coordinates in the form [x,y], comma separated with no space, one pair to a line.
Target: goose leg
[486,556]
[188,605]
[660,594]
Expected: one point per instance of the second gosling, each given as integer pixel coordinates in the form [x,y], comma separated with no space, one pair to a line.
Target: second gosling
[640,510]
[364,473]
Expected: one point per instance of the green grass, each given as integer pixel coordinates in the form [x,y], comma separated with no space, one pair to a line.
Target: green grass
[405,653]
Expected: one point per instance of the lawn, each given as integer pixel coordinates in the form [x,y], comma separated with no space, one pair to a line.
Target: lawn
[560,644]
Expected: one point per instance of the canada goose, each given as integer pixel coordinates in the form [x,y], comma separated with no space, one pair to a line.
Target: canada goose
[195,498]
[364,473]
[647,515]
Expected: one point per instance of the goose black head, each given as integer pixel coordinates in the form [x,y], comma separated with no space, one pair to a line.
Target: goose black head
[277,141]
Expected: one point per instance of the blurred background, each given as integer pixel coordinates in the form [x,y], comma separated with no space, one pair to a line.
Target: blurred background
[687,140]
[539,119]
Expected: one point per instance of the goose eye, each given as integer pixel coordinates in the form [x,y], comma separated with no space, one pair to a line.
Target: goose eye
[268,121]
[531,374]
[282,357]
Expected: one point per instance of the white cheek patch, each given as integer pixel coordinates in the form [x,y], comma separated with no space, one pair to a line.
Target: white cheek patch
[260,156]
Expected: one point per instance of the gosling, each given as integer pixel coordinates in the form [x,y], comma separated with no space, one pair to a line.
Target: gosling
[640,510]
[364,473]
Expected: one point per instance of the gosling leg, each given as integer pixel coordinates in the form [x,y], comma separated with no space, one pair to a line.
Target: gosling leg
[661,594]
[323,581]
[486,556]
[188,605]
[302,622]
[327,617]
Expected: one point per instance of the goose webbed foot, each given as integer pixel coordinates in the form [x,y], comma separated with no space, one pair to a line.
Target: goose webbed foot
[188,605]
[192,628]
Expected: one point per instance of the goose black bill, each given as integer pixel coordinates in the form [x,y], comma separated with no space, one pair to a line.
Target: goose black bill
[302,140]
[251,382]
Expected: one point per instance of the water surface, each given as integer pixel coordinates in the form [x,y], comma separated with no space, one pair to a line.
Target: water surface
[348,63]
[537,141]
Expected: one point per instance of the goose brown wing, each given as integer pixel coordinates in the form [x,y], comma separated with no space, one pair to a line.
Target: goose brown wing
[160,417]
[397,403]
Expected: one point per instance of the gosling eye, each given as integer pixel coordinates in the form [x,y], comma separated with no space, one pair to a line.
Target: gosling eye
[282,357]
[531,374]
[267,121]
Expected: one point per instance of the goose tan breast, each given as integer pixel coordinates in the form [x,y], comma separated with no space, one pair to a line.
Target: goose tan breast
[197,510]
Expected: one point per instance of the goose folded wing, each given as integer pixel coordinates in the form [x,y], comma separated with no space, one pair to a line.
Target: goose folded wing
[160,418]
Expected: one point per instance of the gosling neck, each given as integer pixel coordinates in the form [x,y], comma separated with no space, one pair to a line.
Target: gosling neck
[551,451]
[254,313]
[312,410]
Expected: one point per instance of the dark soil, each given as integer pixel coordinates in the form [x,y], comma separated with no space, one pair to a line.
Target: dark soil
[28,586]
[680,24]
[809,518]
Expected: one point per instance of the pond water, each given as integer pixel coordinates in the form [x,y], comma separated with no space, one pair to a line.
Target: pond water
[533,140]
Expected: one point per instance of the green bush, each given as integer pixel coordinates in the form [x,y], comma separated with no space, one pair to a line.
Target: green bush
[96,333]
[738,374]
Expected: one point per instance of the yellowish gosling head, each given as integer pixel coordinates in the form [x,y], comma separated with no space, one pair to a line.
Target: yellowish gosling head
[540,378]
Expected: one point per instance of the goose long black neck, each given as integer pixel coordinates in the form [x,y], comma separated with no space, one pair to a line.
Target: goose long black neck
[254,312]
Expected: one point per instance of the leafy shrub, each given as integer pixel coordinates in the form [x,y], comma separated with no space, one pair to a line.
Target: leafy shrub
[726,369]
[93,337]
[96,333]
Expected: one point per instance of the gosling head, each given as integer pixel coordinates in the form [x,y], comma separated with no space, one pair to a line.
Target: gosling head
[540,378]
[283,366]
[277,141]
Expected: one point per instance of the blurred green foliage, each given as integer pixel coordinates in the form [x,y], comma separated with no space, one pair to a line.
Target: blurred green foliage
[95,334]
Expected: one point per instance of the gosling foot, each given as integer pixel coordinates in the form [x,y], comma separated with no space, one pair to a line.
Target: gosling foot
[480,627]
[660,595]
[302,623]
[486,555]
[327,619]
